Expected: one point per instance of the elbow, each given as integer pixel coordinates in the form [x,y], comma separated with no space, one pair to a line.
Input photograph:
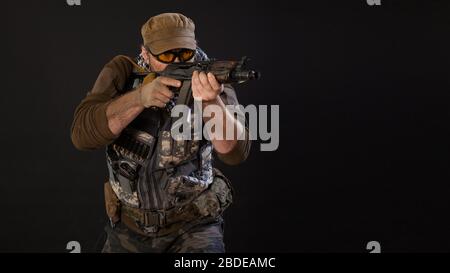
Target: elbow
[225,147]
[78,141]
[90,129]
[237,155]
[83,137]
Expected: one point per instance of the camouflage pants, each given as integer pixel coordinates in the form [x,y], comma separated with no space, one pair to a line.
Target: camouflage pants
[205,237]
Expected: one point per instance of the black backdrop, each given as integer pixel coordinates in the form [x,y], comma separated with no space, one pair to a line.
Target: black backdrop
[364,131]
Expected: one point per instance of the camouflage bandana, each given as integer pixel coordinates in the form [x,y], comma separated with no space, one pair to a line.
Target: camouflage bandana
[141,62]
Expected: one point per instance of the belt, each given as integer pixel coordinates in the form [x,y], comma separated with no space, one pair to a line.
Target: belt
[157,223]
[162,222]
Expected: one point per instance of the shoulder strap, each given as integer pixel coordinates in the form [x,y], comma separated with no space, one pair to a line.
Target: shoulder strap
[137,68]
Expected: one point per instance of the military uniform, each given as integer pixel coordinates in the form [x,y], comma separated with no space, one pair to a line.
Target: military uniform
[162,195]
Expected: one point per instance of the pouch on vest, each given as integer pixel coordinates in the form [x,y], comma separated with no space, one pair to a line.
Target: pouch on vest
[217,198]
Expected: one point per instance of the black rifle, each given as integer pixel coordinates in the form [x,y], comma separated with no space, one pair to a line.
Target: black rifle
[224,71]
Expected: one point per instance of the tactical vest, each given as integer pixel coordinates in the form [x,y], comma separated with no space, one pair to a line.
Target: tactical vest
[149,170]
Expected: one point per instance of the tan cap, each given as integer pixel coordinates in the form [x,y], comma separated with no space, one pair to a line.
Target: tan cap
[168,31]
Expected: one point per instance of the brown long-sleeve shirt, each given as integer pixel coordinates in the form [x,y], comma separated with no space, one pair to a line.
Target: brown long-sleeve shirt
[90,128]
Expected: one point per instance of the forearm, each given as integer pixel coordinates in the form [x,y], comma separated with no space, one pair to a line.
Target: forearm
[123,110]
[223,143]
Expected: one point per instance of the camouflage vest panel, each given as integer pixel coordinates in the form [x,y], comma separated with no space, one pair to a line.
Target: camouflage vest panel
[148,169]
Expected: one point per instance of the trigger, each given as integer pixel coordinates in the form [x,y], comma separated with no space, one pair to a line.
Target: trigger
[174,89]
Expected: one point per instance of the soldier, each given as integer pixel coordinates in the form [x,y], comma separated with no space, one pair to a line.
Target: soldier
[163,194]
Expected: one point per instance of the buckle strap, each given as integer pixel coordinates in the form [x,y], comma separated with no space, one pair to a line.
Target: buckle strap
[146,217]
[154,218]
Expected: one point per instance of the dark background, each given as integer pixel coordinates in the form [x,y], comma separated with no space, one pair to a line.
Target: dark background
[364,120]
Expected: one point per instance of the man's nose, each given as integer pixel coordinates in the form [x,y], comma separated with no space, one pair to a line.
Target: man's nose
[177,60]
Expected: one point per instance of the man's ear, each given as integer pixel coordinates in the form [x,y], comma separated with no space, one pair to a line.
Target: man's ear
[144,54]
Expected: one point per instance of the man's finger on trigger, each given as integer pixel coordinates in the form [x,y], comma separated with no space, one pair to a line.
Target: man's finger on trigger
[170,81]
[213,82]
